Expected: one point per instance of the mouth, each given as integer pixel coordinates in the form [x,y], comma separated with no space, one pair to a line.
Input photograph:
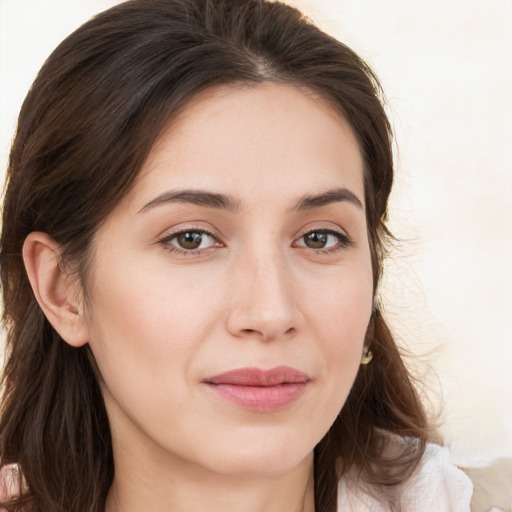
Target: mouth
[260,390]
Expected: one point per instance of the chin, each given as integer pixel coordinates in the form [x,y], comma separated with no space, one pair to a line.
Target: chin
[269,458]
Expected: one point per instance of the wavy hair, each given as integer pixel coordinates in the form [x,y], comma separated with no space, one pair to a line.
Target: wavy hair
[85,129]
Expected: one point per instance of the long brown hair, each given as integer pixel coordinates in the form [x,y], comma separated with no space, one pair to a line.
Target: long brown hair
[84,132]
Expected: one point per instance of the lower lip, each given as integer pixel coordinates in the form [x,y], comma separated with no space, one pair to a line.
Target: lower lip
[261,398]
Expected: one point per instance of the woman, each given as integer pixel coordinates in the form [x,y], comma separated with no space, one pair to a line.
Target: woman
[194,228]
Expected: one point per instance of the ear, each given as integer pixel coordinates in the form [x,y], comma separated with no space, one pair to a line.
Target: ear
[53,288]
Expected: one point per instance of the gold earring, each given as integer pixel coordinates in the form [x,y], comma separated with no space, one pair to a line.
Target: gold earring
[367,356]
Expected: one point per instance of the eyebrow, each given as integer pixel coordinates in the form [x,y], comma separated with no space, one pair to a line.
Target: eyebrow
[198,197]
[336,195]
[229,203]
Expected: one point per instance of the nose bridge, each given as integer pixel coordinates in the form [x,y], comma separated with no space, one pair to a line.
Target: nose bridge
[264,300]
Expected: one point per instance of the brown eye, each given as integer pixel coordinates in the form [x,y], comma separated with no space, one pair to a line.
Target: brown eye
[324,239]
[316,239]
[191,240]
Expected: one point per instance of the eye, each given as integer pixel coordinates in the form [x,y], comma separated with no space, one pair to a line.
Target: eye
[323,239]
[190,240]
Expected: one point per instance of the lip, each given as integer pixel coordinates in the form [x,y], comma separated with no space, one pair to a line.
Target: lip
[260,390]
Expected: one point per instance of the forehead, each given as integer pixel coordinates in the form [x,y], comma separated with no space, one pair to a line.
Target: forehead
[268,139]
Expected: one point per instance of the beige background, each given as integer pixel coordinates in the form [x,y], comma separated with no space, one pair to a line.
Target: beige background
[446,66]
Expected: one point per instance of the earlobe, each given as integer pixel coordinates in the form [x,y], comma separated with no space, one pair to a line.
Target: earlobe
[53,289]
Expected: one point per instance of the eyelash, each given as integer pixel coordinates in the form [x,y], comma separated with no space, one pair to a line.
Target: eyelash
[165,242]
[344,242]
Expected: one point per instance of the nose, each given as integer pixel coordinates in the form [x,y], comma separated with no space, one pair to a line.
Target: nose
[264,300]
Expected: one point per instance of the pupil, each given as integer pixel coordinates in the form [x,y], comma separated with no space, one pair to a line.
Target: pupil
[316,240]
[190,240]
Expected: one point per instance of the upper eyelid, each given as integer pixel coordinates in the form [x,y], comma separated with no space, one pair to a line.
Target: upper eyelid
[328,229]
[165,241]
[172,232]
[345,238]
[214,233]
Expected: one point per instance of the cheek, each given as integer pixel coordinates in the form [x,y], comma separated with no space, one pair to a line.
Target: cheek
[145,332]
[342,308]
[340,315]
[151,305]
[148,324]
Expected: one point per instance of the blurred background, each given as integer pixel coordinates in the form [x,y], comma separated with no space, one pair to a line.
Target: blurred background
[446,68]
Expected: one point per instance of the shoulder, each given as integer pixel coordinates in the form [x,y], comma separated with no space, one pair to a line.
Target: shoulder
[436,484]
[493,486]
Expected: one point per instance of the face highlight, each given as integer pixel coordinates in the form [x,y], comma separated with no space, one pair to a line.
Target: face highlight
[231,289]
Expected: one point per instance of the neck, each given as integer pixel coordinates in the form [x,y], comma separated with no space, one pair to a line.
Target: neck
[185,487]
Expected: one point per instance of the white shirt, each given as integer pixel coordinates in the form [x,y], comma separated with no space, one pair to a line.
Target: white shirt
[435,486]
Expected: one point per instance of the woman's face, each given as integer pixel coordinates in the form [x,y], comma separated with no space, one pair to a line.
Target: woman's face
[231,289]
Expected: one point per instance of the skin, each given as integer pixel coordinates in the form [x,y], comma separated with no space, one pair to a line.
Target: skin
[161,318]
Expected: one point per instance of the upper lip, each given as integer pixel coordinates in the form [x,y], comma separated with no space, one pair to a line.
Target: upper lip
[258,377]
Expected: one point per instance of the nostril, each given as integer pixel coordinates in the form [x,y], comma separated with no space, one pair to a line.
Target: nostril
[288,333]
